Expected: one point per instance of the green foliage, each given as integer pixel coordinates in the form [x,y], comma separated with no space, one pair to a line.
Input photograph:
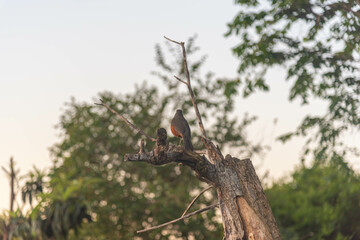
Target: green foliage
[60,217]
[319,202]
[318,42]
[33,186]
[18,226]
[60,208]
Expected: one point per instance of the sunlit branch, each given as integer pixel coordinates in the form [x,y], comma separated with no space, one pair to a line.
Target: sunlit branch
[180,218]
[193,201]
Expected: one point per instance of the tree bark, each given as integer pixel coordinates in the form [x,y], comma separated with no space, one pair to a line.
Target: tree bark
[245,210]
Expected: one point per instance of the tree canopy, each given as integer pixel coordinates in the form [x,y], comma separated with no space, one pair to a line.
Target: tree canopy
[318,43]
[321,201]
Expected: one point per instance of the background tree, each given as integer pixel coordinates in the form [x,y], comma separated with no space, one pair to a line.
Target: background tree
[6,224]
[126,197]
[57,209]
[321,201]
[322,61]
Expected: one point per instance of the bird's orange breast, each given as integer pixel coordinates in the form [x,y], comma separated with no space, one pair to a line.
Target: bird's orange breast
[176,133]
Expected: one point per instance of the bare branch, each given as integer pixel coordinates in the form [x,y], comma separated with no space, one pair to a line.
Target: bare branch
[193,201]
[172,40]
[6,171]
[166,153]
[181,80]
[173,154]
[193,100]
[181,218]
[126,121]
[12,175]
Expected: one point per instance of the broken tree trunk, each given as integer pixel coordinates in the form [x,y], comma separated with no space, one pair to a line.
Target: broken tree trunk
[245,211]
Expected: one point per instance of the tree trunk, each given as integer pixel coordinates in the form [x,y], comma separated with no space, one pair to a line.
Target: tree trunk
[245,211]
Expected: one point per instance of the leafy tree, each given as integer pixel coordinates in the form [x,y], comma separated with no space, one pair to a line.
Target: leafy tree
[33,186]
[319,202]
[57,209]
[127,197]
[322,60]
[60,208]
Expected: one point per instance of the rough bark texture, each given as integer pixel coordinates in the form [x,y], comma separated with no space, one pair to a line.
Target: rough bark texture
[243,200]
[246,213]
[254,196]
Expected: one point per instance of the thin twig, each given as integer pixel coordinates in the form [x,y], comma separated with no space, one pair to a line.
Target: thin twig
[181,218]
[126,121]
[6,171]
[181,80]
[188,84]
[193,201]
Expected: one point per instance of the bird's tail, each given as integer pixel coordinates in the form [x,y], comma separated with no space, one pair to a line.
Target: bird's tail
[188,145]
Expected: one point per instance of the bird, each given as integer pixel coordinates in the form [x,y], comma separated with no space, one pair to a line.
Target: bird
[180,128]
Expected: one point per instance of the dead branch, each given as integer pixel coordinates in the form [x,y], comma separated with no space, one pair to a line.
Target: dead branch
[126,121]
[180,218]
[193,201]
[180,80]
[188,84]
[165,153]
[177,154]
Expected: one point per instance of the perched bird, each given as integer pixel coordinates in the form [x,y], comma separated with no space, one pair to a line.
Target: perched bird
[180,128]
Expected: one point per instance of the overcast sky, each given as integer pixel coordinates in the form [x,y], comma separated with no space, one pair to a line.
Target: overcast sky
[52,50]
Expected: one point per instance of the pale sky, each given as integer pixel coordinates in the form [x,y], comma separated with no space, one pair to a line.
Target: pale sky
[52,50]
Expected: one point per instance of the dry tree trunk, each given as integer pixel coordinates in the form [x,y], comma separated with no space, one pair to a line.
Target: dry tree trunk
[245,211]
